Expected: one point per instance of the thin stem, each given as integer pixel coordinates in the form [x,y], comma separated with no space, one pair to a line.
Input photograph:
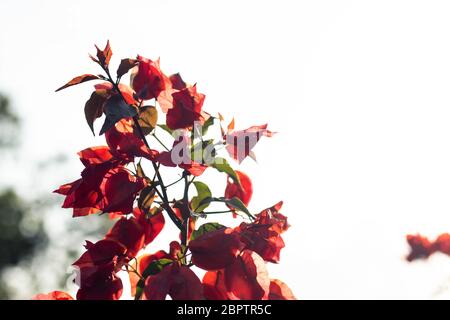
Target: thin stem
[163,196]
[160,142]
[186,211]
[217,212]
[175,182]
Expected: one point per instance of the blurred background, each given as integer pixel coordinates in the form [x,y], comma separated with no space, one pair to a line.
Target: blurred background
[358,92]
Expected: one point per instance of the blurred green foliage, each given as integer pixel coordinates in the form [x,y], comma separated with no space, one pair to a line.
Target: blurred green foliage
[9,124]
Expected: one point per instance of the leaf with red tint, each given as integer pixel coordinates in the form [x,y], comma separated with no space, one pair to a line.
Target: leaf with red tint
[125,66]
[107,90]
[103,56]
[125,144]
[280,291]
[194,168]
[152,224]
[187,107]
[179,282]
[103,187]
[148,80]
[242,191]
[263,234]
[119,190]
[421,247]
[128,233]
[100,253]
[97,267]
[216,249]
[175,84]
[261,239]
[230,126]
[105,289]
[85,195]
[442,243]
[247,278]
[214,287]
[240,143]
[185,285]
[93,109]
[141,265]
[54,295]
[78,80]
[273,217]
[95,155]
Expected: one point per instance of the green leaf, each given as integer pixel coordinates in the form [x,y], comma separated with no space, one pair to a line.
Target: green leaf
[222,165]
[205,228]
[237,204]
[93,109]
[202,193]
[148,119]
[115,109]
[155,267]
[234,202]
[139,289]
[207,124]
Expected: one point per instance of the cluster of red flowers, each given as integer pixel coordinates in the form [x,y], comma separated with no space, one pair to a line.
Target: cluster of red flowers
[113,181]
[422,247]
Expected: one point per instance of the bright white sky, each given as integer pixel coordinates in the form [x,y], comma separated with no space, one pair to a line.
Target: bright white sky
[358,91]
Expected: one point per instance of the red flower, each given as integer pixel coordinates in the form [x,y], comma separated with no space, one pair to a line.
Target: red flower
[244,279]
[54,295]
[126,144]
[247,278]
[240,143]
[165,99]
[149,81]
[214,287]
[177,281]
[422,247]
[128,233]
[136,232]
[85,195]
[120,190]
[97,267]
[263,234]
[95,155]
[442,243]
[106,89]
[177,209]
[187,107]
[141,264]
[216,249]
[280,291]
[151,224]
[243,191]
[105,185]
[104,289]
